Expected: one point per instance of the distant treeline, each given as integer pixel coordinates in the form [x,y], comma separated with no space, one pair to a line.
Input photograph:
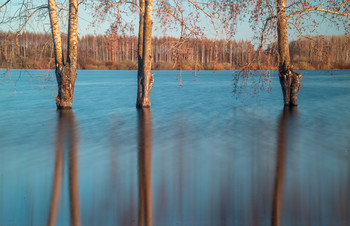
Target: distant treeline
[33,50]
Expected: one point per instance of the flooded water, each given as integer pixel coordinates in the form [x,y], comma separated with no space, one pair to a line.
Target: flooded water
[199,156]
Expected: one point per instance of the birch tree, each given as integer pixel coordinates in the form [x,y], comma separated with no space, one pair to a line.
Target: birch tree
[184,16]
[144,73]
[302,16]
[65,68]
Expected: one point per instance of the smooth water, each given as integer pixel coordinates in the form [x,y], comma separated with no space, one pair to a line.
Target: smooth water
[199,156]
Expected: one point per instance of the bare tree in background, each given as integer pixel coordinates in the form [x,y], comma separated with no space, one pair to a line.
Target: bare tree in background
[14,17]
[301,15]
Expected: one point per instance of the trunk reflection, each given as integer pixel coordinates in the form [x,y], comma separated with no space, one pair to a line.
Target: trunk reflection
[285,125]
[145,168]
[66,136]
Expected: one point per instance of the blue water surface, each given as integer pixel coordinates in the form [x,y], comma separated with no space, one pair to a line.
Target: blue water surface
[200,155]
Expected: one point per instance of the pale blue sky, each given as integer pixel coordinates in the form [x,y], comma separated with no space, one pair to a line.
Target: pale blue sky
[244,31]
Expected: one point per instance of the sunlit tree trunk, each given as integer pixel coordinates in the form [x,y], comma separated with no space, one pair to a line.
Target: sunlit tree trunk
[290,80]
[66,71]
[203,50]
[56,34]
[144,72]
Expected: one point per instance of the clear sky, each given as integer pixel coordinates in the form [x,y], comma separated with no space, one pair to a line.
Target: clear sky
[244,31]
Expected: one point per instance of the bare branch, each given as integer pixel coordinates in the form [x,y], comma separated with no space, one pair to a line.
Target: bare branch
[317,9]
[28,18]
[4,4]
[264,29]
[212,17]
[323,3]
[176,18]
[343,4]
[299,31]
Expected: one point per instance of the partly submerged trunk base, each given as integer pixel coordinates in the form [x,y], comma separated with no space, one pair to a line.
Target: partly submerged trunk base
[290,83]
[144,91]
[66,76]
[143,105]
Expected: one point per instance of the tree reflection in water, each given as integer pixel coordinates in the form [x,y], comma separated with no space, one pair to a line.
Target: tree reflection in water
[66,136]
[285,126]
[144,167]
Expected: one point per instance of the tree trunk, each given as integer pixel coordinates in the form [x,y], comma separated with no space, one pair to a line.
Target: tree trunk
[230,60]
[290,80]
[65,76]
[139,55]
[56,33]
[145,77]
[66,72]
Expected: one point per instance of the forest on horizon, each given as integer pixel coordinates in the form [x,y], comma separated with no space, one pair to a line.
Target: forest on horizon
[101,52]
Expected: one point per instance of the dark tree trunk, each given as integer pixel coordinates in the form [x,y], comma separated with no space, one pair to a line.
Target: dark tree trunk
[290,80]
[290,84]
[66,76]
[139,55]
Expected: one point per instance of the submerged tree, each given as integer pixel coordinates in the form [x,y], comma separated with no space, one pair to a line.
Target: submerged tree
[17,14]
[306,15]
[183,15]
[290,80]
[66,69]
[144,73]
[186,16]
